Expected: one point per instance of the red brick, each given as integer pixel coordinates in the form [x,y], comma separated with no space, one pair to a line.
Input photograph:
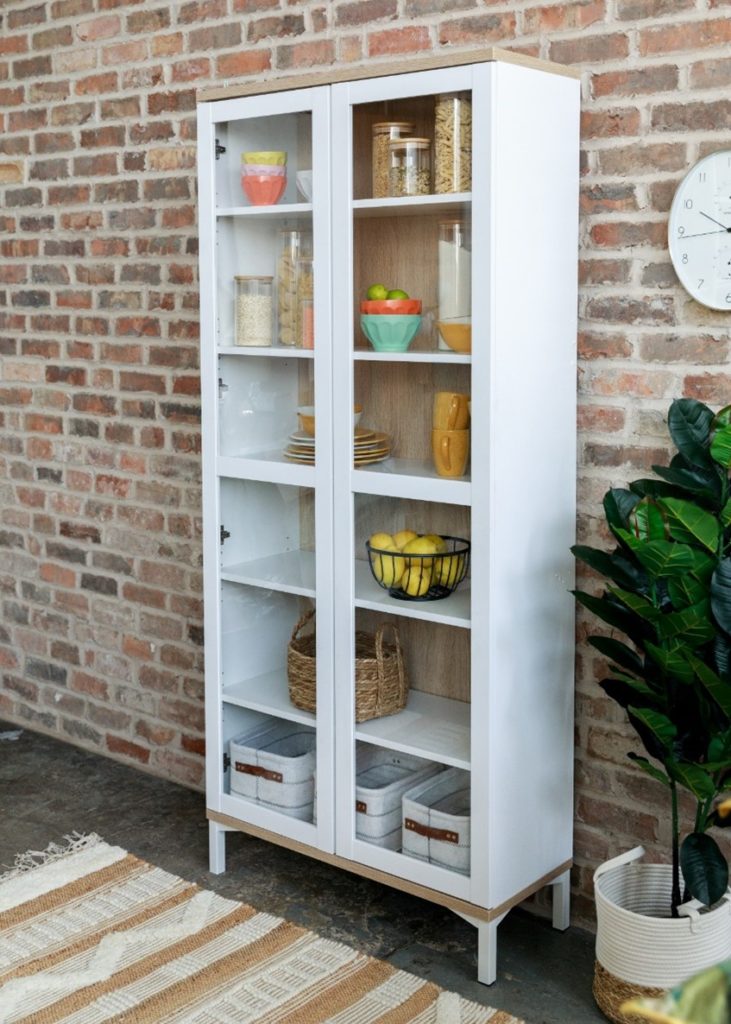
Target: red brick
[58,575]
[691,35]
[708,387]
[605,419]
[623,234]
[95,84]
[686,117]
[127,749]
[190,70]
[99,28]
[590,49]
[560,17]
[605,124]
[13,44]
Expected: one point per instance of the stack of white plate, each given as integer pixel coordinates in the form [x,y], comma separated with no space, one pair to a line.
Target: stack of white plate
[368,446]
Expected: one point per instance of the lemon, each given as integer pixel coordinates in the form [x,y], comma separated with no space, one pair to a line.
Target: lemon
[377,291]
[420,546]
[449,570]
[439,544]
[381,540]
[416,581]
[402,538]
[388,569]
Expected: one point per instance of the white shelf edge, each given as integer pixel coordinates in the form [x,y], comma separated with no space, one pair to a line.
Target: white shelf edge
[265,468]
[278,351]
[402,731]
[432,356]
[275,210]
[423,486]
[449,611]
[282,572]
[245,695]
[405,206]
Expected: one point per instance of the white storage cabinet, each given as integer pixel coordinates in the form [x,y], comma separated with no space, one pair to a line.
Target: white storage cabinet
[490,666]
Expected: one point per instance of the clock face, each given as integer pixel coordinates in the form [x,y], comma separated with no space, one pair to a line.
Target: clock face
[699,232]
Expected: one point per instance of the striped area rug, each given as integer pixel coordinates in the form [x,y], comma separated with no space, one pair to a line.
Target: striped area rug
[91,934]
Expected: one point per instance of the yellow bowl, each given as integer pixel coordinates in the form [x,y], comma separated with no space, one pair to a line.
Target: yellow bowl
[457,336]
[306,414]
[273,157]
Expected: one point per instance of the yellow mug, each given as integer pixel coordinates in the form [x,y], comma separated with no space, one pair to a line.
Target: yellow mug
[451,411]
[450,449]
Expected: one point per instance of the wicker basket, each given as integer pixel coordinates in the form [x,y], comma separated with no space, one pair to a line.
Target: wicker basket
[381,686]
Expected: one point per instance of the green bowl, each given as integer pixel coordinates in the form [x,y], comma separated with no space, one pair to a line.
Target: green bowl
[390,332]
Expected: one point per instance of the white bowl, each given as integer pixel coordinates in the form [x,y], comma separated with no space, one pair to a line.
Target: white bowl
[304,184]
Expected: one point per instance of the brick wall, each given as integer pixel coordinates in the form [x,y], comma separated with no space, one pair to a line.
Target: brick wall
[100,636]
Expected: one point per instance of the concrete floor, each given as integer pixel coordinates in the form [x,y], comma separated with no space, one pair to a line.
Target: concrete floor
[48,789]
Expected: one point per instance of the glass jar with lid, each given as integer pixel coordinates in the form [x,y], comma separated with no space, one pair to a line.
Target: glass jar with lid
[253,319]
[410,167]
[294,243]
[453,142]
[305,293]
[455,285]
[382,134]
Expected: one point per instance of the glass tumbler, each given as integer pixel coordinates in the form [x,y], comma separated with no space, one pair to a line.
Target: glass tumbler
[253,320]
[410,167]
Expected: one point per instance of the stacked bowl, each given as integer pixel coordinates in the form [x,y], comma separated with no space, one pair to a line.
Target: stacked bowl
[264,176]
[390,325]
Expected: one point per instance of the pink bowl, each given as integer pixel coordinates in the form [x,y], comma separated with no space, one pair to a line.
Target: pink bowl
[264,189]
[266,169]
[408,307]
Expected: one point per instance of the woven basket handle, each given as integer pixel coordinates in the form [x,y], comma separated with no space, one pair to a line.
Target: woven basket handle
[379,651]
[615,862]
[302,623]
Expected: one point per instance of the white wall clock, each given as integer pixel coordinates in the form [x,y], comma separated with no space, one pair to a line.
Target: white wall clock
[699,231]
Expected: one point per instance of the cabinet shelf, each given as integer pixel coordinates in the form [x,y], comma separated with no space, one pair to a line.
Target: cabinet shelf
[265,212]
[433,727]
[291,572]
[278,351]
[411,206]
[268,693]
[269,467]
[411,478]
[450,611]
[432,356]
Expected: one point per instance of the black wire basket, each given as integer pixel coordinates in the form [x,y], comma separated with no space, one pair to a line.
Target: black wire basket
[421,577]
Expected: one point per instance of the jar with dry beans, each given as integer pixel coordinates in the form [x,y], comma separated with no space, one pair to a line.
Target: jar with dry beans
[383,133]
[253,311]
[453,143]
[410,173]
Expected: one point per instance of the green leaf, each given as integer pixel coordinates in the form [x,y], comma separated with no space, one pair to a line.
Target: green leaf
[657,724]
[688,523]
[726,513]
[672,660]
[629,692]
[686,590]
[613,566]
[661,558]
[689,422]
[717,688]
[615,650]
[692,624]
[641,606]
[694,778]
[614,614]
[646,521]
[704,868]
[721,447]
[618,503]
[722,655]
[650,488]
[722,418]
[721,594]
[691,480]
[649,768]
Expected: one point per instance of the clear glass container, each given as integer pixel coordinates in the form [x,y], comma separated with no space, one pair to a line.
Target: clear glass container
[305,292]
[294,243]
[410,167]
[383,133]
[253,312]
[455,284]
[453,142]
[307,323]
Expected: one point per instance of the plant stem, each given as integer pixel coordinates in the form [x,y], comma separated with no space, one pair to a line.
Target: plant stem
[675,898]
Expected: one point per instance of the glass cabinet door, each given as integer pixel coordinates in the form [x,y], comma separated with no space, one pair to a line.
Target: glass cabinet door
[265,292]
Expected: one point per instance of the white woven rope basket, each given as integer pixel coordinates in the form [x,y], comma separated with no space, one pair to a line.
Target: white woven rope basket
[638,941]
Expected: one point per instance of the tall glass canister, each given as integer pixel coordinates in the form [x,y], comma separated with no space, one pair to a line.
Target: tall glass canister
[453,143]
[455,285]
[383,132]
[294,244]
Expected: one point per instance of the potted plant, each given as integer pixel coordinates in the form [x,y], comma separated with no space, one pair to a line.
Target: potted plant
[667,600]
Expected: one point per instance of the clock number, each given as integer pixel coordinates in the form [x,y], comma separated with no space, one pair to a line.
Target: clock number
[700,283]
[688,204]
[728,298]
[701,176]
[681,232]
[684,257]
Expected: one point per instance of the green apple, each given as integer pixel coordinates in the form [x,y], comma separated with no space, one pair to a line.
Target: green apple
[377,291]
[397,293]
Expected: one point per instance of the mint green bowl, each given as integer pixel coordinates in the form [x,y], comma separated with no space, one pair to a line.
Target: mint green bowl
[390,332]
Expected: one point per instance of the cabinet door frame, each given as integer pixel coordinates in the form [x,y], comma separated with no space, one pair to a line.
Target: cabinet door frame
[316,101]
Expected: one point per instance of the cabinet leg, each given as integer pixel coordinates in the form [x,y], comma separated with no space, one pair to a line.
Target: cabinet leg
[486,947]
[216,848]
[561,901]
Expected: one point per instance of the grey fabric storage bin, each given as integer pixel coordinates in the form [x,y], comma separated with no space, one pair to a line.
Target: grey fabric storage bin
[436,821]
[382,777]
[275,766]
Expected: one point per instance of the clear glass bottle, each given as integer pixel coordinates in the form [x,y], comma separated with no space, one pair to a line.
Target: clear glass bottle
[455,283]
[382,134]
[453,142]
[253,312]
[294,243]
[305,292]
[410,167]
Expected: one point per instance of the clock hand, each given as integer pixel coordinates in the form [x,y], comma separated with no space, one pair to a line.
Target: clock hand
[714,221]
[702,234]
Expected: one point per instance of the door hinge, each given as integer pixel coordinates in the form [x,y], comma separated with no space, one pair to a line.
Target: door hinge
[222,388]
[226,762]
[219,149]
[224,533]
